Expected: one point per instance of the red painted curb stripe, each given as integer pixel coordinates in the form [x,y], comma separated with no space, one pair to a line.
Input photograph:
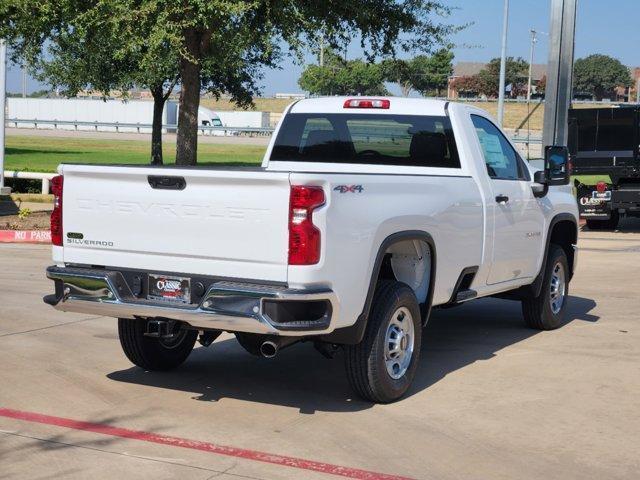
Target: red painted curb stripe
[257,456]
[25,236]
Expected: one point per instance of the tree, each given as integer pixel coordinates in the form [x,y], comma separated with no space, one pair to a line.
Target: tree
[340,77]
[221,46]
[541,86]
[425,74]
[434,71]
[399,72]
[75,45]
[468,85]
[516,72]
[600,75]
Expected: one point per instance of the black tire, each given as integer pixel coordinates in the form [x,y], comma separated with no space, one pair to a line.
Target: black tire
[365,362]
[537,311]
[152,353]
[609,224]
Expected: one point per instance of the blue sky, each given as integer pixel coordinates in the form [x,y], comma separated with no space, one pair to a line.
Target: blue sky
[609,27]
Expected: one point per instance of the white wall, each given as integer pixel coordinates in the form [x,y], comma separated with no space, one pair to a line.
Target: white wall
[112,111]
[244,119]
[85,110]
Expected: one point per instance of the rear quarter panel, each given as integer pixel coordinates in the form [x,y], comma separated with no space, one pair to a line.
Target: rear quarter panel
[355,223]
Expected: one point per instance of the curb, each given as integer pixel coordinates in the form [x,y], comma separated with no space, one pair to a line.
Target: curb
[25,236]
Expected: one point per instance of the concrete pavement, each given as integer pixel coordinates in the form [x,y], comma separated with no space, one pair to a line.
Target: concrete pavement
[492,399]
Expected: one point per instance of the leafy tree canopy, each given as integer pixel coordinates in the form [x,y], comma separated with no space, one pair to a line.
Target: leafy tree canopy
[516,73]
[340,77]
[468,84]
[76,45]
[424,74]
[221,46]
[600,75]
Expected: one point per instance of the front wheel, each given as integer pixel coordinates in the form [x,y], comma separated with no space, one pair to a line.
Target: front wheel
[154,353]
[546,311]
[382,366]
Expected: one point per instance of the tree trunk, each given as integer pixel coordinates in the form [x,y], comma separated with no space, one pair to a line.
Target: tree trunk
[599,93]
[187,138]
[405,88]
[156,129]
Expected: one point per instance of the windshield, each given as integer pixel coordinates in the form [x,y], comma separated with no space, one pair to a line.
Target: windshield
[410,140]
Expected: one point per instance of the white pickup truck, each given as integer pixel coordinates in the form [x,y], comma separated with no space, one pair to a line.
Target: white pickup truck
[365,214]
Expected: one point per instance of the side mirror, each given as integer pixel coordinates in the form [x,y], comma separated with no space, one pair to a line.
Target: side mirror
[556,165]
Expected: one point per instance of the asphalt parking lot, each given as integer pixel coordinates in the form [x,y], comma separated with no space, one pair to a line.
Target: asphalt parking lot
[492,399]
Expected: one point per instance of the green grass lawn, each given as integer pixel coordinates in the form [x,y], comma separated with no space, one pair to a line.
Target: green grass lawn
[44,154]
[592,179]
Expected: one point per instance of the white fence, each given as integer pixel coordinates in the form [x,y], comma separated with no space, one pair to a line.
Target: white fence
[135,127]
[44,177]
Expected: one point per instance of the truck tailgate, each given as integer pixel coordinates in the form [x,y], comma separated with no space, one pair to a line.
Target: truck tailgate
[229,223]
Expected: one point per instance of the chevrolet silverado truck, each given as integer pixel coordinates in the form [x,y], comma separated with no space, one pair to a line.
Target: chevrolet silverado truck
[365,214]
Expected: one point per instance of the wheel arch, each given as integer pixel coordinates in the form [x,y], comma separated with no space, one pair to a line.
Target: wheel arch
[353,334]
[562,231]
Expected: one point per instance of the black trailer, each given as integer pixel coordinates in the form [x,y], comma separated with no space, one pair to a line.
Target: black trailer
[604,141]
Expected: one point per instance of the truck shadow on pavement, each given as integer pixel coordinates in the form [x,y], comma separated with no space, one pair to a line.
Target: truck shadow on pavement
[300,378]
[626,225]
[476,331]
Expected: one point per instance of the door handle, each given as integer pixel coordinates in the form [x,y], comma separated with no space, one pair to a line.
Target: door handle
[502,199]
[167,183]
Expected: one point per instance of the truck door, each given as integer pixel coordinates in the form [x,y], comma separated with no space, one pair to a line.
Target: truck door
[517,218]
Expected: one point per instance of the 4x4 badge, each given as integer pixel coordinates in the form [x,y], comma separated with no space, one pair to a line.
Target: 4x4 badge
[349,189]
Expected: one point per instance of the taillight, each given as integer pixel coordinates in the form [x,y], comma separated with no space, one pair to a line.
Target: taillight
[304,236]
[56,215]
[601,187]
[366,103]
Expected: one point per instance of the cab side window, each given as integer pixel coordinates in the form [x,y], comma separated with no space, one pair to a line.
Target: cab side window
[503,162]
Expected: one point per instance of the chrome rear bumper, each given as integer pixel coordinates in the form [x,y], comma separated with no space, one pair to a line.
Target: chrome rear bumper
[230,306]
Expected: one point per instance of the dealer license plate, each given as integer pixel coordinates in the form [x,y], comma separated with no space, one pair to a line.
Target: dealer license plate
[604,196]
[169,289]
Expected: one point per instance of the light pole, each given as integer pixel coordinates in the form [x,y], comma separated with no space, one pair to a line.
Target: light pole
[3,93]
[24,82]
[559,72]
[503,62]
[534,40]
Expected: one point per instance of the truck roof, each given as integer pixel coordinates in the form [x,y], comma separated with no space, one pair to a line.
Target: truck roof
[397,106]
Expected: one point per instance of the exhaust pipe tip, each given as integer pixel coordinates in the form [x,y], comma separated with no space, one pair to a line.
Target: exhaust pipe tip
[269,349]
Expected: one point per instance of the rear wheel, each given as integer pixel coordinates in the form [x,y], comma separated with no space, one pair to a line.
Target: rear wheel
[382,366]
[546,311]
[154,353]
[609,224]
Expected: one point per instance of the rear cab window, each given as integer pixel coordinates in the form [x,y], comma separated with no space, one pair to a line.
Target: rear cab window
[374,139]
